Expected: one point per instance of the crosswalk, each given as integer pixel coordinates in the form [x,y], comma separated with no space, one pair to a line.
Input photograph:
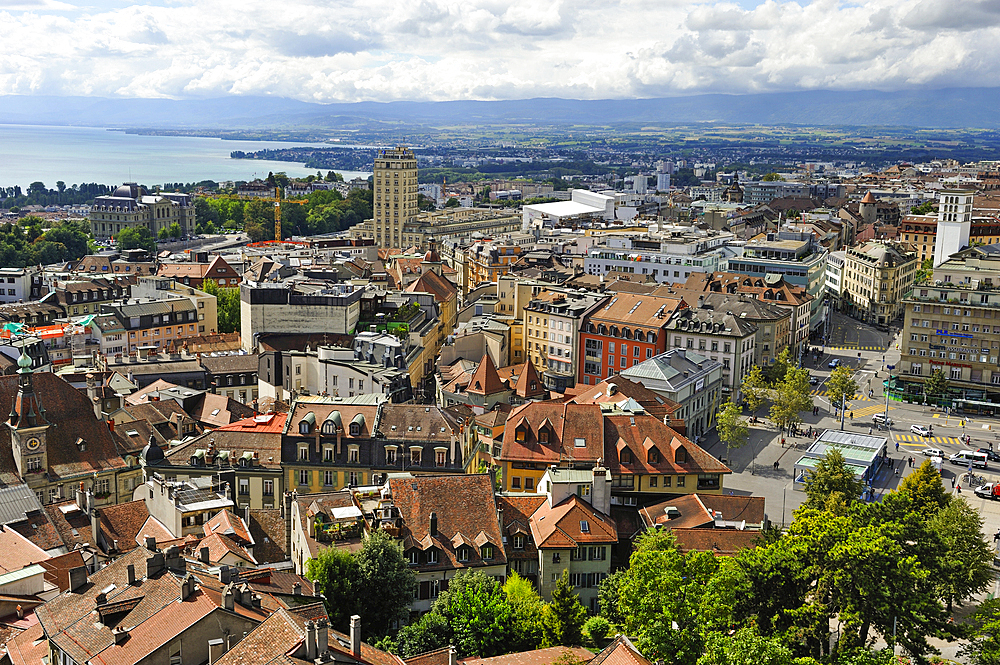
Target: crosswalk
[925,441]
[855,347]
[865,411]
[821,392]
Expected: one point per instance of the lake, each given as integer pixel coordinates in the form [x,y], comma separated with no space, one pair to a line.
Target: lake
[30,153]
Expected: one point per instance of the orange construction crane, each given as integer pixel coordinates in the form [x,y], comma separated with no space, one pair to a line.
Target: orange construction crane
[276,199]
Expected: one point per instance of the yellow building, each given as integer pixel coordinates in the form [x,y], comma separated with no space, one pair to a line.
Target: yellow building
[876,277]
[395,195]
[487,262]
[513,294]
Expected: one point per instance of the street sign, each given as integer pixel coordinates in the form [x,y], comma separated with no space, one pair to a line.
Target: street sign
[890,367]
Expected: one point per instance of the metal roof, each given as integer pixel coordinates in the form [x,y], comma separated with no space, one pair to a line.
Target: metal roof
[15,501]
[22,574]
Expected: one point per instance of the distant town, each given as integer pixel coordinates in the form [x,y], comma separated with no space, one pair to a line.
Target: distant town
[654,410]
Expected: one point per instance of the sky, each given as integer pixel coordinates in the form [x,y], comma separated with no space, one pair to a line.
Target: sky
[437,50]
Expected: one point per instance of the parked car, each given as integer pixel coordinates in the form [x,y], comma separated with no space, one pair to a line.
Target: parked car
[932,452]
[988,491]
[920,430]
[991,455]
[834,363]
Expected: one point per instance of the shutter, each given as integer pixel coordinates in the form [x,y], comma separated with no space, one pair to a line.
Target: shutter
[444,585]
[425,590]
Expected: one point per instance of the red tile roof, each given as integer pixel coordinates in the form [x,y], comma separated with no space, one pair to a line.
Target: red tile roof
[718,541]
[536,657]
[123,523]
[486,381]
[466,512]
[562,526]
[228,524]
[620,652]
[431,282]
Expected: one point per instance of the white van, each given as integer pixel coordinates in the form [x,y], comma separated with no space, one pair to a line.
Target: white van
[979,460]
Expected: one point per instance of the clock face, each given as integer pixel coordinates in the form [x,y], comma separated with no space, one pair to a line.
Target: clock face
[33,443]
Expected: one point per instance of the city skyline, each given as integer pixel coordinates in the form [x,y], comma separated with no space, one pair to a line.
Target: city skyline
[435,50]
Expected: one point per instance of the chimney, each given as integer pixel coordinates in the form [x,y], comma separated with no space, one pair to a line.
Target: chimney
[452,655]
[225,576]
[187,587]
[310,641]
[229,597]
[120,635]
[297,588]
[322,637]
[356,636]
[131,574]
[203,555]
[20,612]
[77,577]
[216,649]
[434,524]
[246,596]
[155,564]
[150,543]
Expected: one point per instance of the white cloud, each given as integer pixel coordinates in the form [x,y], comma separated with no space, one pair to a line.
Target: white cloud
[353,50]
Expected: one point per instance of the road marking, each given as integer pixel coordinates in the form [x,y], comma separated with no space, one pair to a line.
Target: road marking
[869,410]
[855,347]
[920,440]
[858,397]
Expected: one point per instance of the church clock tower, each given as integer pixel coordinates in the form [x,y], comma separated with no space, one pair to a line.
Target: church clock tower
[27,423]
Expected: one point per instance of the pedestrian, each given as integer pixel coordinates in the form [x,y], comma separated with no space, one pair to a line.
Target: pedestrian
[852,416]
[782,442]
[897,446]
[775,464]
[959,489]
[869,431]
[996,536]
[953,482]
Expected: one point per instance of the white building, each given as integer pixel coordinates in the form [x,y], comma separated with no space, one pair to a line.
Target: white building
[669,257]
[954,223]
[15,284]
[584,204]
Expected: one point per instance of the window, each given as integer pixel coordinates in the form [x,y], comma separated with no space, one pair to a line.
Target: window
[390,455]
[488,551]
[680,481]
[652,481]
[34,463]
[432,555]
[328,454]
[515,483]
[529,484]
[328,478]
[415,457]
[303,477]
[268,488]
[414,557]
[303,454]
[519,539]
[440,458]
[463,553]
[353,455]
[245,486]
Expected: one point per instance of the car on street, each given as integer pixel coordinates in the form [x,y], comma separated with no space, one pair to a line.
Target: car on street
[881,419]
[932,452]
[813,380]
[920,430]
[987,491]
[835,363]
[991,455]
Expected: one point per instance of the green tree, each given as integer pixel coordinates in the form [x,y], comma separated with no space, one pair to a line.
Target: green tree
[984,635]
[432,631]
[772,177]
[596,629]
[775,372]
[936,384]
[832,480]
[74,236]
[385,589]
[841,385]
[562,621]
[227,304]
[925,272]
[477,610]
[61,186]
[608,594]
[732,428]
[966,565]
[424,203]
[452,203]
[136,238]
[791,398]
[745,647]
[925,208]
[336,574]
[922,492]
[526,614]
[293,220]
[661,596]
[754,389]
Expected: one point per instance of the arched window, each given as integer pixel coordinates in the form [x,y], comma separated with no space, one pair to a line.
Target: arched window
[329,427]
[625,456]
[681,456]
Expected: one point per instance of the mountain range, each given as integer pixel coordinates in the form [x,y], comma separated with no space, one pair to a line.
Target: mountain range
[947,108]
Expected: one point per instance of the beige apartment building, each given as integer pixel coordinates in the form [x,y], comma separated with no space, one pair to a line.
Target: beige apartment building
[953,324]
[876,276]
[395,196]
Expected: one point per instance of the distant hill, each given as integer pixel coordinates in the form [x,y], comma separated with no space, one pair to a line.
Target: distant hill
[951,108]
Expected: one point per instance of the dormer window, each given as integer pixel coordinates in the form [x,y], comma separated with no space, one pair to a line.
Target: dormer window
[488,551]
[304,427]
[355,429]
[329,427]
[518,542]
[520,433]
[681,456]
[543,435]
[463,553]
[625,457]
[414,557]
[432,555]
[654,456]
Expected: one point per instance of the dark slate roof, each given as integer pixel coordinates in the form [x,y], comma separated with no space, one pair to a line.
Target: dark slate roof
[16,501]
